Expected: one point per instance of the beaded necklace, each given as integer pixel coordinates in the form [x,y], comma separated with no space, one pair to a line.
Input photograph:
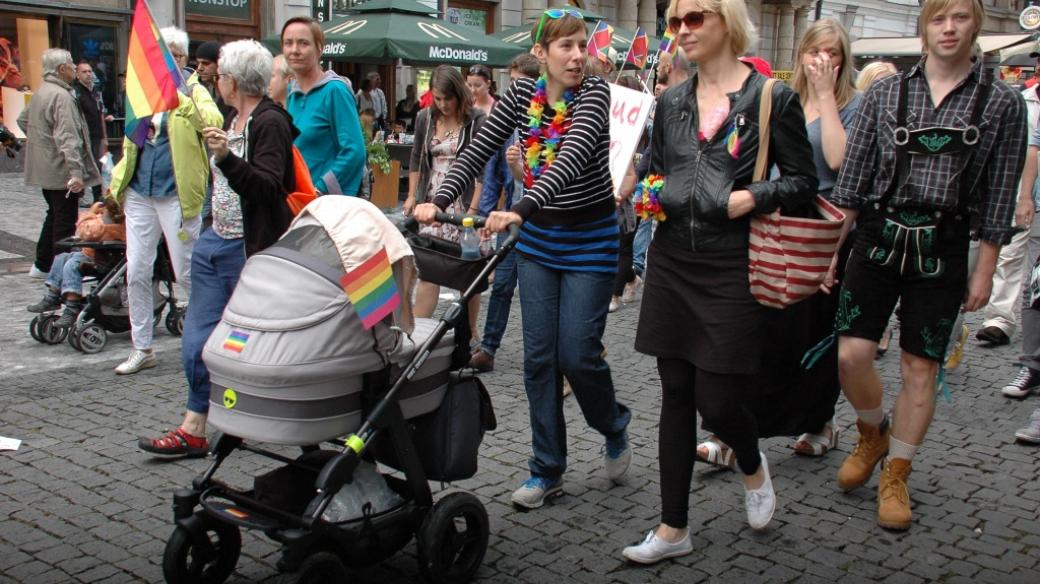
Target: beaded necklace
[542,145]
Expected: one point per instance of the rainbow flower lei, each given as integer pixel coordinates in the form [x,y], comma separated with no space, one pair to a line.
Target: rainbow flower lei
[647,192]
[541,146]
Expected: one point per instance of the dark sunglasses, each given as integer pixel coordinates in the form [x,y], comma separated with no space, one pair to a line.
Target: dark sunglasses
[554,13]
[693,20]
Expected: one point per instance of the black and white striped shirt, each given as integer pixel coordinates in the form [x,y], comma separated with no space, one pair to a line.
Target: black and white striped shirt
[576,188]
[573,199]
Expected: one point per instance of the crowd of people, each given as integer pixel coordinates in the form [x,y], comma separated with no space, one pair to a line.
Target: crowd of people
[934,168]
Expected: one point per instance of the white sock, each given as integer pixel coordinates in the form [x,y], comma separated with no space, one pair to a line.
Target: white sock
[900,449]
[872,417]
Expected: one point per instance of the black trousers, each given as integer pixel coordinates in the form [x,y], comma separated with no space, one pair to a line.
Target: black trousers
[59,223]
[625,273]
[720,399]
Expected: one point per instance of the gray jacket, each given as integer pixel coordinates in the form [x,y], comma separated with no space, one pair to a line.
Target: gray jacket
[422,161]
[57,139]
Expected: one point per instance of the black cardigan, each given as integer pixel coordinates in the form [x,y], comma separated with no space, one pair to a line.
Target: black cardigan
[264,177]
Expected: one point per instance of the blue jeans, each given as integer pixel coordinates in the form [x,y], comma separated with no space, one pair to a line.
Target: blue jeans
[644,233]
[564,314]
[500,301]
[64,276]
[215,266]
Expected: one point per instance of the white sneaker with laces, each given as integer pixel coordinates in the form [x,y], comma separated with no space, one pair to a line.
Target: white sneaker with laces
[760,502]
[37,273]
[654,549]
[137,361]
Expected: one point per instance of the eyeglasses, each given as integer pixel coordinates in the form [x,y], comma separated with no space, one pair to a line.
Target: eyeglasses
[693,20]
[555,14]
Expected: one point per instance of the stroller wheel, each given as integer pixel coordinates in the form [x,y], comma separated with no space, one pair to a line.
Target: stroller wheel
[73,337]
[209,560]
[52,335]
[34,328]
[317,568]
[175,321]
[90,338]
[453,539]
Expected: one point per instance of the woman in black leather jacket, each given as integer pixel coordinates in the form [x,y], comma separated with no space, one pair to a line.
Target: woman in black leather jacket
[698,317]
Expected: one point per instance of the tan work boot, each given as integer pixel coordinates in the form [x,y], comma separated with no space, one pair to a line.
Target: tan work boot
[893,499]
[870,448]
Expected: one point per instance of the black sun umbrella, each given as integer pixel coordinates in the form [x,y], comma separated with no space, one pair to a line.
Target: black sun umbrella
[1020,60]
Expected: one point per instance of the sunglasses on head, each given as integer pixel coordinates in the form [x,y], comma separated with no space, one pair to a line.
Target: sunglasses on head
[554,13]
[693,20]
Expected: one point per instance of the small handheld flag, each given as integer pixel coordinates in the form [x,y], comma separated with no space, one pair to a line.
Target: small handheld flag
[152,75]
[600,40]
[639,50]
[668,45]
[372,289]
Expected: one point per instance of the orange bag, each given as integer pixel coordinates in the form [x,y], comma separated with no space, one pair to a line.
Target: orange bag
[304,192]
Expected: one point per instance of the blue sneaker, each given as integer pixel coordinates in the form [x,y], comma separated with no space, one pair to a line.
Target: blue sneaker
[535,491]
[617,457]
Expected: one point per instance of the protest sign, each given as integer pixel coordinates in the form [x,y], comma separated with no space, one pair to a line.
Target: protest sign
[628,113]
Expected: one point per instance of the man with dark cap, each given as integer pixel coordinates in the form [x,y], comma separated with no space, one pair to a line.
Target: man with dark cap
[206,57]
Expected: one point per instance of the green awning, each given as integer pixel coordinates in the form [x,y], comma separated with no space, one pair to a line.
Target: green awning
[381,37]
[520,36]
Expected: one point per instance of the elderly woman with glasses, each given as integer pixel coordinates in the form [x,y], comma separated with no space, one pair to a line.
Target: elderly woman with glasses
[251,161]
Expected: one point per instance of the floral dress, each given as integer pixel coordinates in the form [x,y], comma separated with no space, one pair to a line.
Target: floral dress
[443,153]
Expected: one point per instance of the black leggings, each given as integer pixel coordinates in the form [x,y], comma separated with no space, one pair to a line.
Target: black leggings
[720,399]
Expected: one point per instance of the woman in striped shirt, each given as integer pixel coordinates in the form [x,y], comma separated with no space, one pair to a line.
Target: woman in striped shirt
[568,248]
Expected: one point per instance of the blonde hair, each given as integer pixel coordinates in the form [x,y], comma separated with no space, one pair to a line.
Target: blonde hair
[932,7]
[844,90]
[873,72]
[734,13]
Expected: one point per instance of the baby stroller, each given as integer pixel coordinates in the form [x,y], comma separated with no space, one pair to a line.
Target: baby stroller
[292,364]
[105,306]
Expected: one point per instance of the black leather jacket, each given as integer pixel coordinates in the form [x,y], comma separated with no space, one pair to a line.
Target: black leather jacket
[699,176]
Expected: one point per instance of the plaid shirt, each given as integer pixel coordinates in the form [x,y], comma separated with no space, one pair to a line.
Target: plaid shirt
[934,181]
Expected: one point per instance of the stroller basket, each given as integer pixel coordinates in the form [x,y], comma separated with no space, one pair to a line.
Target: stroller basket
[440,262]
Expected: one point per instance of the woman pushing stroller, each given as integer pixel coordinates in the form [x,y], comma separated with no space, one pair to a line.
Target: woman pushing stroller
[568,248]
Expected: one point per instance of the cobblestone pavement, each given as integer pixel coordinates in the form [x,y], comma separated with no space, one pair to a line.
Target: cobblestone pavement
[80,503]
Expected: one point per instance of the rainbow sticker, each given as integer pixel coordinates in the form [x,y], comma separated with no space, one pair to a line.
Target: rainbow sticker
[236,341]
[733,141]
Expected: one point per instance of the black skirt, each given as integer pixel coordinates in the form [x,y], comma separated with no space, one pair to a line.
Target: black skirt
[698,307]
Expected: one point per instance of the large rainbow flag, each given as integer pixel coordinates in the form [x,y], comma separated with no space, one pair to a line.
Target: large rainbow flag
[152,76]
[372,289]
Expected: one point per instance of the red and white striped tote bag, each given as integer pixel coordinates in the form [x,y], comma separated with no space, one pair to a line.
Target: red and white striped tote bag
[788,257]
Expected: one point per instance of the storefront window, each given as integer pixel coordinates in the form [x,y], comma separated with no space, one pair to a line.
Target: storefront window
[97,44]
[22,42]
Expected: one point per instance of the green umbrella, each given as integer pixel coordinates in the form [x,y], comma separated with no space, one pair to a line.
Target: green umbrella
[403,6]
[381,37]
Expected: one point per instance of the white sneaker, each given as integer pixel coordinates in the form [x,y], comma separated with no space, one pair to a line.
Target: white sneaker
[535,491]
[37,273]
[615,304]
[631,289]
[654,549]
[137,361]
[760,502]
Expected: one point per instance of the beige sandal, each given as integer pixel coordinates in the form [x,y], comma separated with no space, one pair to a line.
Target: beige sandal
[715,452]
[817,444]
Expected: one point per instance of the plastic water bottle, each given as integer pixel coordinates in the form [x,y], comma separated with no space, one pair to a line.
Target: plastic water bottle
[470,240]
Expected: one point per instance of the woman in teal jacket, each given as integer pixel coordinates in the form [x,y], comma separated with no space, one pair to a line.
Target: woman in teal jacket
[323,109]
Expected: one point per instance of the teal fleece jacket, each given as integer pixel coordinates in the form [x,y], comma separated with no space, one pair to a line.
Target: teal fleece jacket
[330,137]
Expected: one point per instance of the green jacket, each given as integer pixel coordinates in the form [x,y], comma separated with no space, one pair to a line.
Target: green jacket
[190,159]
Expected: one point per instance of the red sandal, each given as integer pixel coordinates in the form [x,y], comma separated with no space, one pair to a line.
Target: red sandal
[176,443]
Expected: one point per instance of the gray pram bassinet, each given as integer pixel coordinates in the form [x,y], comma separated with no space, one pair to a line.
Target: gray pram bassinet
[289,358]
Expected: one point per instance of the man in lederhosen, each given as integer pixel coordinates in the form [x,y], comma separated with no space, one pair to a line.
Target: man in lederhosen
[933,159]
